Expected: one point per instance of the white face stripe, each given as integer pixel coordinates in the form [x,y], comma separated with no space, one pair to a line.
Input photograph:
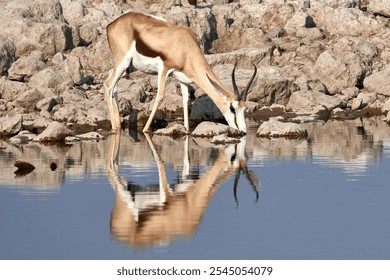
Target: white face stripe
[238,116]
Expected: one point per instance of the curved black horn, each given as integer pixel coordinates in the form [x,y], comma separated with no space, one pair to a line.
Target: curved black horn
[236,179]
[236,92]
[245,91]
[253,181]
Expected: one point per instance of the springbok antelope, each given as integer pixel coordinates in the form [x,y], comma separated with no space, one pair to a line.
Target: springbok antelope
[140,218]
[155,46]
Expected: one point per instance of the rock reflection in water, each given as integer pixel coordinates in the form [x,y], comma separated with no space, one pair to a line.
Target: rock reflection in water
[352,145]
[53,164]
[148,216]
[143,216]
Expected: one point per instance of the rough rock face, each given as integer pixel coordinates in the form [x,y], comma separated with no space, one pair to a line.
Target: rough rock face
[379,7]
[10,125]
[312,102]
[379,82]
[323,58]
[7,54]
[41,26]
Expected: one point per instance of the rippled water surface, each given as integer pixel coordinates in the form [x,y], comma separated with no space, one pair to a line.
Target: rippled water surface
[325,197]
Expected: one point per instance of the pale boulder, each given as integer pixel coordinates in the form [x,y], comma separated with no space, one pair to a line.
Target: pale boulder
[74,69]
[49,78]
[378,82]
[28,99]
[333,72]
[380,7]
[210,129]
[26,66]
[275,128]
[224,139]
[363,99]
[10,125]
[7,54]
[35,25]
[307,102]
[90,136]
[10,90]
[53,133]
[172,130]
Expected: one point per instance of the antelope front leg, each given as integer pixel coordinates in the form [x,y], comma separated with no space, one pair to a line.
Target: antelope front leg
[185,95]
[110,90]
[162,75]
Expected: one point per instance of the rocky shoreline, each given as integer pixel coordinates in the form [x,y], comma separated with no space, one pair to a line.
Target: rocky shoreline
[316,59]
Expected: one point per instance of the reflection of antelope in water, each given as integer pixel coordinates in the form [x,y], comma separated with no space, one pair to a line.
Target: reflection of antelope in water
[152,218]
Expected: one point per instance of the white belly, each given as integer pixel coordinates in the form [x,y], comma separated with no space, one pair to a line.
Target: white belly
[149,65]
[182,77]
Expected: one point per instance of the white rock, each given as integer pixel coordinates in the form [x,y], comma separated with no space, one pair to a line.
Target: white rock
[10,125]
[23,137]
[210,129]
[307,102]
[71,139]
[363,99]
[173,130]
[224,139]
[73,68]
[305,119]
[89,136]
[378,82]
[54,132]
[275,128]
[380,7]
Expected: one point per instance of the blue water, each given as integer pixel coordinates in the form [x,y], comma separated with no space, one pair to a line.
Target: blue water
[309,207]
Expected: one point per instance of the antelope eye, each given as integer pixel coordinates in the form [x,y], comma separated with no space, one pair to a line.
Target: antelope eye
[232,109]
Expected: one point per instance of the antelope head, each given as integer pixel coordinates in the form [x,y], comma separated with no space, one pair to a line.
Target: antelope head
[239,159]
[235,112]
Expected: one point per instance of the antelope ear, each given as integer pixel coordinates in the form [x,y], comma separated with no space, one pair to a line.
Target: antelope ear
[216,86]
